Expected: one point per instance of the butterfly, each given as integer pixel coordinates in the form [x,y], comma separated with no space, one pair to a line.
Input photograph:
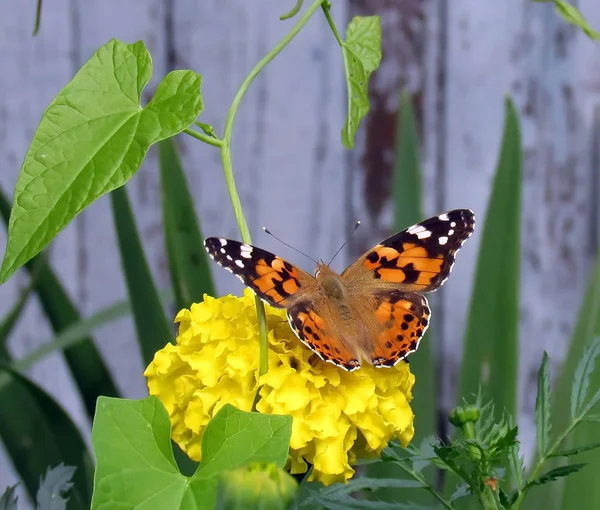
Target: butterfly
[373,311]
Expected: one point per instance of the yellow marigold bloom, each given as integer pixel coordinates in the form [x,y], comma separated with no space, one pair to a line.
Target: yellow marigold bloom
[338,416]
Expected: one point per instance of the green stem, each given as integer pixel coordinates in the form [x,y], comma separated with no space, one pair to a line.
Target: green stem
[326,10]
[293,12]
[210,140]
[263,63]
[225,144]
[487,499]
[542,460]
[428,487]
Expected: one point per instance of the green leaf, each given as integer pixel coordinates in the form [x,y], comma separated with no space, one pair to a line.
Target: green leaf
[562,493]
[190,273]
[153,329]
[38,434]
[575,451]
[556,473]
[572,15]
[592,418]
[8,501]
[362,55]
[135,463]
[542,407]
[85,363]
[491,343]
[92,138]
[516,461]
[461,491]
[371,484]
[583,374]
[54,487]
[423,458]
[504,441]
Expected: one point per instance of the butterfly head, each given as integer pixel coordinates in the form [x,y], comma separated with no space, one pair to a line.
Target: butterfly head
[331,282]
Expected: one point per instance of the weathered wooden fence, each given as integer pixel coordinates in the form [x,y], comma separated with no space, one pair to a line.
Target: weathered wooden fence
[458,58]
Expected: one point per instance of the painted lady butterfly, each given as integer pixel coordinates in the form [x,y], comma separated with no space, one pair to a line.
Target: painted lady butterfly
[374,310]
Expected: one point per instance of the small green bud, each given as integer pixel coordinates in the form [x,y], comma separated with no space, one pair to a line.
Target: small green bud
[462,415]
[256,486]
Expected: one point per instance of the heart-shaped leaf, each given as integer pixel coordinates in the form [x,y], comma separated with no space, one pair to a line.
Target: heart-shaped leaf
[135,462]
[92,139]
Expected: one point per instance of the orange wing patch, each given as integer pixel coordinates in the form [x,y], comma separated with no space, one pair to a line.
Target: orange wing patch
[270,277]
[311,328]
[403,320]
[420,257]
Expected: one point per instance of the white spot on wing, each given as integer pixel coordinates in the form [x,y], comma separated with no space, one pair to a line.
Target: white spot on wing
[415,229]
[443,240]
[229,258]
[223,250]
[223,242]
[239,264]
[246,251]
[450,232]
[444,217]
[453,224]
[424,234]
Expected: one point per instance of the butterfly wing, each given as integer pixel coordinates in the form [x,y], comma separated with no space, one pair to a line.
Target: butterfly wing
[396,321]
[418,258]
[283,285]
[312,322]
[271,278]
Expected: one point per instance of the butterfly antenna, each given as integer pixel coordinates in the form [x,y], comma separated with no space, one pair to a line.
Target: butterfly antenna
[356,225]
[267,231]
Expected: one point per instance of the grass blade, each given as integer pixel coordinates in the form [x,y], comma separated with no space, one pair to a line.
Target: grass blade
[542,407]
[491,343]
[37,433]
[408,211]
[190,273]
[12,317]
[153,329]
[83,359]
[78,331]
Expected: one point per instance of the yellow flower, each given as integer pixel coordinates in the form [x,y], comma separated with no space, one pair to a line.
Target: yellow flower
[338,416]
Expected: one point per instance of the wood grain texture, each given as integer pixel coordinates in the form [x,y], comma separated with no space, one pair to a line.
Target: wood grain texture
[293,175]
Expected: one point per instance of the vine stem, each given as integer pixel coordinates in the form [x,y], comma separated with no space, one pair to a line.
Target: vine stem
[203,137]
[426,485]
[225,146]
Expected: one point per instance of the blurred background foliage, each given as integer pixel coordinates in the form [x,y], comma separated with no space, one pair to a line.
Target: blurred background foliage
[37,432]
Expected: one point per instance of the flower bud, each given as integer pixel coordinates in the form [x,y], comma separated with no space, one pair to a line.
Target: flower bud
[462,415]
[256,486]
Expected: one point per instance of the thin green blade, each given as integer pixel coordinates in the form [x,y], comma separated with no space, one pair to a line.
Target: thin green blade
[188,263]
[490,356]
[83,359]
[407,211]
[37,433]
[153,329]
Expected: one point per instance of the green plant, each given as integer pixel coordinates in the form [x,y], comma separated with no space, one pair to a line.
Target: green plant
[485,445]
[100,109]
